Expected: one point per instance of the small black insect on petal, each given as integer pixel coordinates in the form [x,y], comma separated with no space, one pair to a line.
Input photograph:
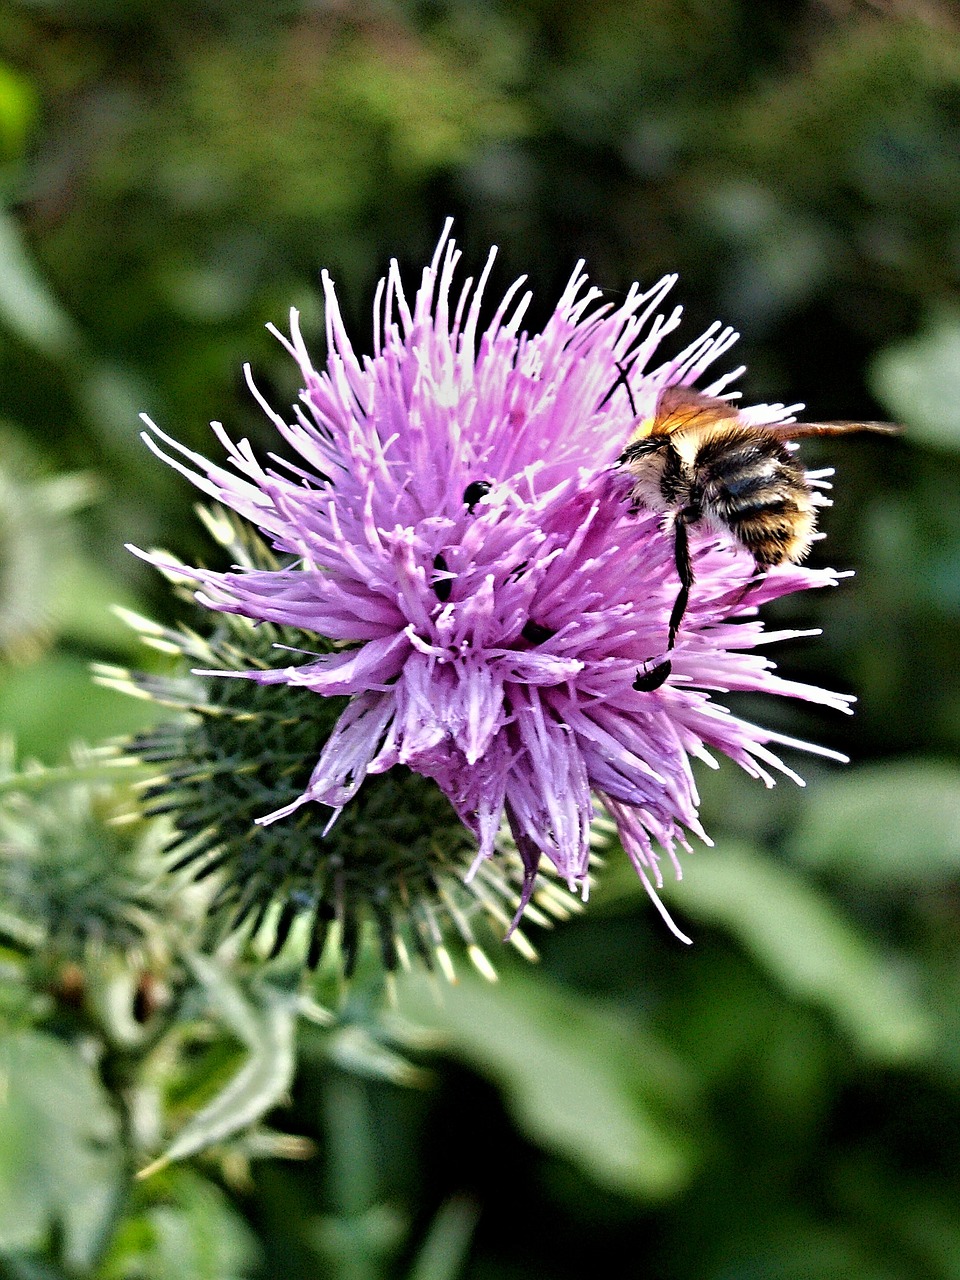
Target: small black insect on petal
[474,491]
[648,681]
[534,633]
[442,586]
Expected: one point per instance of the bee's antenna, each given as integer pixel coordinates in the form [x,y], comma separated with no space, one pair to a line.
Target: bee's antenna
[623,373]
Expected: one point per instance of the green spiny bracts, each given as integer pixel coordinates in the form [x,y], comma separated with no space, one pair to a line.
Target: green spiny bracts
[79,870]
[393,863]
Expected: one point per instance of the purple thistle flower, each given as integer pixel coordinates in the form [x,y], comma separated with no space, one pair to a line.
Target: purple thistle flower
[458,525]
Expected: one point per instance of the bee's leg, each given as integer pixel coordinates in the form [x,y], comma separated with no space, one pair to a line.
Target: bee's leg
[681,555]
[649,679]
[751,585]
[623,374]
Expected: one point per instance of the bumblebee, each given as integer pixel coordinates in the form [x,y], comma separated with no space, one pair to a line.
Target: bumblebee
[700,463]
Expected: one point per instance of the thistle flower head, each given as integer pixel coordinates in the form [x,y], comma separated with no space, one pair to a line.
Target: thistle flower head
[455,528]
[392,866]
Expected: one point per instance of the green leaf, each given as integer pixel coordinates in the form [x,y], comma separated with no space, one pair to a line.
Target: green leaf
[34,543]
[358,1050]
[27,305]
[581,1080]
[812,950]
[444,1252]
[885,825]
[54,703]
[919,381]
[18,111]
[83,602]
[265,1025]
[194,1233]
[60,1158]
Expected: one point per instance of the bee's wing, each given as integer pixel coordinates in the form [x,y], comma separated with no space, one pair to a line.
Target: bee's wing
[682,408]
[796,430]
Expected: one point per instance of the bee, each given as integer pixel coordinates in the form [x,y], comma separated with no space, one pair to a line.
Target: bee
[700,463]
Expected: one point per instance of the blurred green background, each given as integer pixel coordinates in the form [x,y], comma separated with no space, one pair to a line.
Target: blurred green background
[782,1100]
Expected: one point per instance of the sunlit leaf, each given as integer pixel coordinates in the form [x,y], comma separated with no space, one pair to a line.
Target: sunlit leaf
[195,1232]
[265,1024]
[18,110]
[919,381]
[810,947]
[27,304]
[83,605]
[444,1251]
[893,825]
[60,1160]
[54,703]
[35,544]
[356,1049]
[580,1081]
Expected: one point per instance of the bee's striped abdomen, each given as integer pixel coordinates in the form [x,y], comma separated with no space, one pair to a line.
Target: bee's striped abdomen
[753,485]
